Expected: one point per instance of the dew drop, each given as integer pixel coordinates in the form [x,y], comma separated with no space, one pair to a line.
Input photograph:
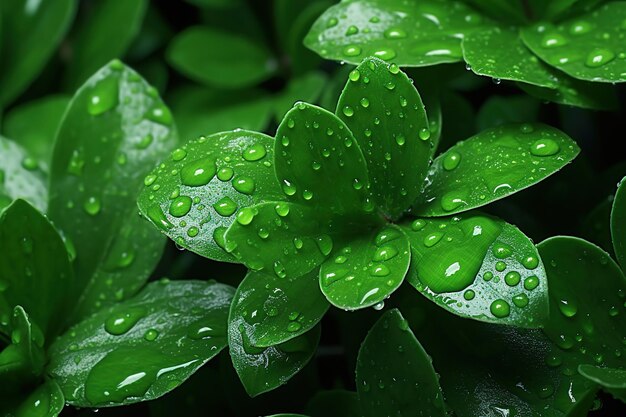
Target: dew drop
[500,309]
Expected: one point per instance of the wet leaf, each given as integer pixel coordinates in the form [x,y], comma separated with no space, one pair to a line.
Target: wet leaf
[45,401]
[618,224]
[144,347]
[21,176]
[23,359]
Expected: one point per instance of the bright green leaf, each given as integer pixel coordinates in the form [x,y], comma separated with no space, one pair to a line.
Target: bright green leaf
[618,223]
[307,87]
[35,270]
[220,59]
[114,129]
[588,48]
[319,163]
[21,176]
[104,33]
[387,117]
[195,194]
[45,401]
[407,33]
[395,374]
[478,266]
[278,309]
[364,270]
[144,347]
[492,165]
[31,33]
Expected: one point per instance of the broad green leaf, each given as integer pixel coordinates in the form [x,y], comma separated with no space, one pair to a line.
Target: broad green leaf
[35,271]
[606,377]
[144,347]
[20,176]
[32,31]
[45,401]
[195,194]
[264,369]
[318,162]
[220,59]
[394,374]
[588,48]
[307,87]
[618,223]
[365,269]
[491,165]
[385,113]
[283,238]
[407,33]
[25,355]
[498,53]
[499,110]
[278,309]
[477,266]
[105,32]
[114,129]
[334,403]
[587,309]
[37,137]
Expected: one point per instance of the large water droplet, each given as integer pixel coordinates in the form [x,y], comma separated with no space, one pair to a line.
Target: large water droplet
[199,172]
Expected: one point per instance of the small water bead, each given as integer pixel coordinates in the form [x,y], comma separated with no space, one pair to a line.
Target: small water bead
[389,86]
[501,250]
[332,22]
[352,30]
[290,124]
[156,215]
[352,50]
[418,225]
[512,278]
[348,111]
[218,236]
[531,283]
[104,96]
[225,207]
[246,215]
[244,185]
[567,308]
[354,75]
[379,306]
[580,28]
[530,262]
[254,153]
[599,57]
[500,308]
[294,326]
[179,154]
[520,300]
[384,253]
[193,231]
[379,270]
[160,114]
[395,33]
[279,269]
[553,40]
[92,206]
[451,160]
[432,239]
[120,323]
[424,134]
[282,209]
[298,243]
[180,206]
[469,295]
[400,140]
[452,200]
[500,266]
[365,103]
[198,173]
[29,163]
[324,244]
[307,194]
[151,335]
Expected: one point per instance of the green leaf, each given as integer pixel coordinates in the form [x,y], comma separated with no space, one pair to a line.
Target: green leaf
[194,195]
[500,54]
[618,223]
[606,377]
[35,270]
[144,347]
[365,269]
[408,33]
[26,355]
[37,138]
[478,266]
[264,369]
[114,129]
[45,401]
[586,315]
[383,109]
[596,225]
[334,403]
[307,87]
[220,59]
[39,27]
[20,176]
[105,32]
[499,110]
[319,163]
[589,48]
[492,165]
[286,238]
[394,374]
[278,309]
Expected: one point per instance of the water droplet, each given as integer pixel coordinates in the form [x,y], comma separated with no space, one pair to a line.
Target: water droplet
[530,262]
[246,215]
[418,225]
[395,33]
[451,160]
[160,114]
[488,276]
[193,231]
[432,239]
[352,50]
[452,200]
[500,266]
[92,206]
[599,57]
[567,308]
[198,173]
[580,27]
[225,174]
[279,269]
[385,54]
[500,309]
[324,244]
[544,147]
[531,283]
[151,335]
[352,30]
[180,206]
[225,207]
[307,194]
[332,22]
[379,270]
[553,40]
[178,154]
[512,278]
[354,75]
[244,185]
[365,103]
[348,111]
[384,253]
[104,96]
[424,134]
[469,295]
[520,300]
[254,153]
[156,215]
[121,322]
[501,250]
[294,326]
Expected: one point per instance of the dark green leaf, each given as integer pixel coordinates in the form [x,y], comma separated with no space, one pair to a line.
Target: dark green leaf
[319,163]
[589,49]
[25,356]
[606,377]
[284,238]
[499,110]
[492,165]
[31,33]
[408,33]
[385,113]
[35,270]
[45,401]
[618,223]
[503,10]
[478,266]
[278,309]
[37,138]
[500,54]
[20,176]
[596,226]
[103,34]
[220,59]
[194,195]
[365,269]
[114,129]
[264,369]
[144,347]
[307,87]
[394,374]
[335,403]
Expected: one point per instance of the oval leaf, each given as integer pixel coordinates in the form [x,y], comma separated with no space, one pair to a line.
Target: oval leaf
[21,177]
[618,223]
[45,401]
[144,347]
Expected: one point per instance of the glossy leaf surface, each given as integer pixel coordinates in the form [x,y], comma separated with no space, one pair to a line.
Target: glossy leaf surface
[195,194]
[45,401]
[114,129]
[407,33]
[144,347]
[20,176]
[492,165]
[478,266]
[606,377]
[278,309]
[589,47]
[395,373]
[385,113]
[573,92]
[618,224]
[35,270]
[24,358]
[364,270]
